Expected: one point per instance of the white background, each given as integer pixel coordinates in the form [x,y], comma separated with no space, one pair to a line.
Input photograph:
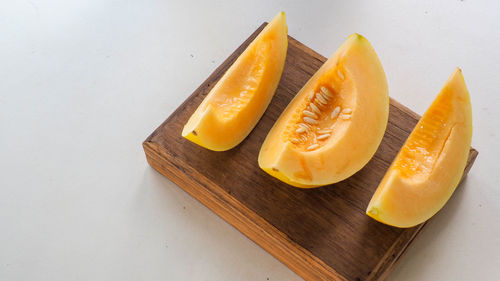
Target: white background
[83,83]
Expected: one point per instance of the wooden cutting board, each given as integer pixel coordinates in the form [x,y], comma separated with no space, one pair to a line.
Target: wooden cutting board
[322,233]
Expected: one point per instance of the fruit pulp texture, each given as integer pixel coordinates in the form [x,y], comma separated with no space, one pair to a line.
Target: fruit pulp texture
[423,147]
[237,92]
[315,120]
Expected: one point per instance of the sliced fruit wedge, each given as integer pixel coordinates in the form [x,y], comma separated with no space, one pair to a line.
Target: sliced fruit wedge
[430,164]
[236,103]
[334,125]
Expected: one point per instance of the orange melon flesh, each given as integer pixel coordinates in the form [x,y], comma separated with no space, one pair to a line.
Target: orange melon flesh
[430,165]
[331,147]
[236,103]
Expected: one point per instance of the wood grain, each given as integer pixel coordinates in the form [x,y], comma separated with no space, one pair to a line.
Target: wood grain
[321,234]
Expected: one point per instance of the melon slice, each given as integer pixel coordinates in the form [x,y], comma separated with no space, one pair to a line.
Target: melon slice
[236,103]
[334,125]
[430,165]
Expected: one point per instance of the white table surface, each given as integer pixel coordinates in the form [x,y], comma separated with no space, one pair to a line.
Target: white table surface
[83,83]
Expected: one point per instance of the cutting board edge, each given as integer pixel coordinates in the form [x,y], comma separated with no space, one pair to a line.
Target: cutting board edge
[291,254]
